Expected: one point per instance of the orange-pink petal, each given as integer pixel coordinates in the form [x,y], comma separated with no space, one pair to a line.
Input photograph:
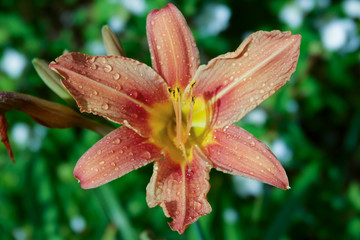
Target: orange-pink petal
[181,193]
[236,151]
[237,82]
[118,153]
[118,88]
[173,49]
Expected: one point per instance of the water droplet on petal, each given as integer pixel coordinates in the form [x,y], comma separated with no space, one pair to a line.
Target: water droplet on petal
[80,86]
[117,141]
[146,155]
[105,106]
[158,47]
[99,152]
[116,76]
[197,206]
[93,66]
[112,164]
[101,163]
[92,59]
[246,54]
[107,68]
[134,94]
[95,92]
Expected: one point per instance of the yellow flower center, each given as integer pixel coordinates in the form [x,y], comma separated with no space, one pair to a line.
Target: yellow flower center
[179,124]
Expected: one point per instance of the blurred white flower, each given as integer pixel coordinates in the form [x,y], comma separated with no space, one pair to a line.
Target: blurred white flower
[323,3]
[26,137]
[19,234]
[230,215]
[292,106]
[38,134]
[292,15]
[246,187]
[13,62]
[340,34]
[96,48]
[116,24]
[257,116]
[352,8]
[306,5]
[282,151]
[137,7]
[213,19]
[77,224]
[21,134]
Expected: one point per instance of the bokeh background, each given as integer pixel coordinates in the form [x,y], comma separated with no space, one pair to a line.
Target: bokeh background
[312,125]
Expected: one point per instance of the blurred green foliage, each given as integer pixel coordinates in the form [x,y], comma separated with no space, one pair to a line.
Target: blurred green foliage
[316,116]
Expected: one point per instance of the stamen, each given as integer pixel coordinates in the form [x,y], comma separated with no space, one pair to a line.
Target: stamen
[182,147]
[189,122]
[178,118]
[191,109]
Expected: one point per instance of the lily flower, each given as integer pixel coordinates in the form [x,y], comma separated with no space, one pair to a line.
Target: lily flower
[178,114]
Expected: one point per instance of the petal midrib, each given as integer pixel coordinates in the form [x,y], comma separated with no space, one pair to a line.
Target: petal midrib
[238,80]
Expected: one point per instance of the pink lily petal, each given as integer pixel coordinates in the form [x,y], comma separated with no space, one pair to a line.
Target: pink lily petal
[181,194]
[118,88]
[237,82]
[173,49]
[118,153]
[238,152]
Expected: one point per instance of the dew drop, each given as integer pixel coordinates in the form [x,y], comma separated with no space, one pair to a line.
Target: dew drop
[105,106]
[107,68]
[101,163]
[152,23]
[197,206]
[92,59]
[93,66]
[246,54]
[252,143]
[146,155]
[96,170]
[116,76]
[80,86]
[158,47]
[134,94]
[116,169]
[117,141]
[121,151]
[95,92]
[99,152]
[112,164]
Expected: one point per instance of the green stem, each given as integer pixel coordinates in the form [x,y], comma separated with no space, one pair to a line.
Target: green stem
[116,212]
[198,230]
